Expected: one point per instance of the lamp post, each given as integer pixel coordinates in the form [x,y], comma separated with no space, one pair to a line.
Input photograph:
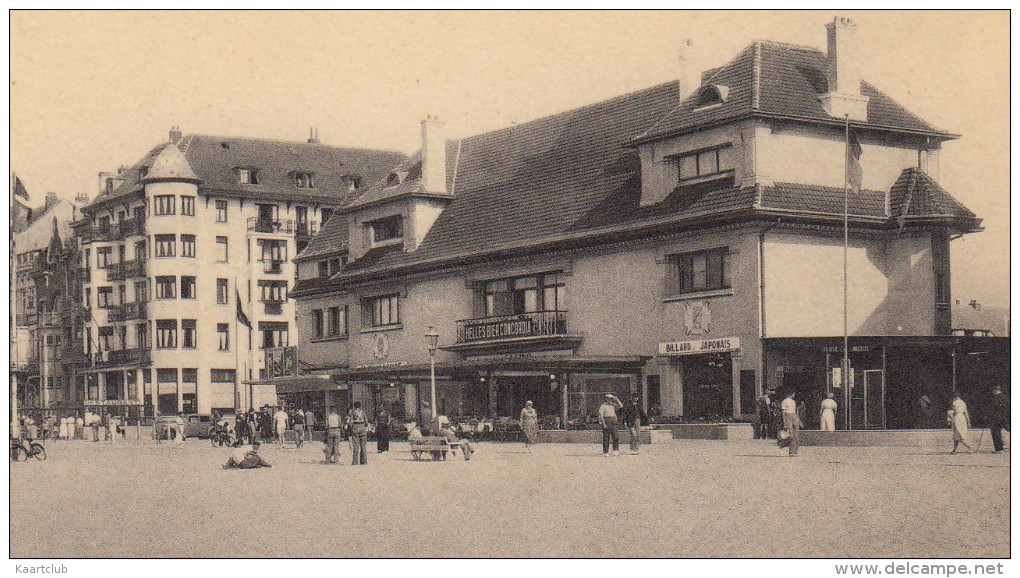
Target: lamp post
[432,340]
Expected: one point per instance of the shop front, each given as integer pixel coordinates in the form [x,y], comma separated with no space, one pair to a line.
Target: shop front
[705,373]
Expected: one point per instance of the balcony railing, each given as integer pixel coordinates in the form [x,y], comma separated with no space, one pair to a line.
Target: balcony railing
[273,307]
[113,232]
[306,228]
[126,270]
[535,324]
[127,311]
[259,225]
[274,267]
[121,357]
[49,319]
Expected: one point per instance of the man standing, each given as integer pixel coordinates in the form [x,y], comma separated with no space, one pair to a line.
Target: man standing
[357,421]
[791,422]
[764,406]
[297,420]
[608,421]
[633,417]
[1000,418]
[333,436]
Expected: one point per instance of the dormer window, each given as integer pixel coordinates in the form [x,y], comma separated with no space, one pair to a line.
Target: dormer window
[711,95]
[706,164]
[388,229]
[352,182]
[393,180]
[248,176]
[303,180]
[142,172]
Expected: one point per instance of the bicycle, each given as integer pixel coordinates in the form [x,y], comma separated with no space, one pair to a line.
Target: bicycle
[220,438]
[20,454]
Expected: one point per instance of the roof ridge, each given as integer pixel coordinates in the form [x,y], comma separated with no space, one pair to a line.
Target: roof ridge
[790,46]
[288,142]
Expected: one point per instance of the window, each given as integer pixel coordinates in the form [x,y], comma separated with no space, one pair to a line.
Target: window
[330,267]
[273,291]
[188,206]
[382,311]
[188,330]
[718,161]
[140,251]
[141,291]
[87,300]
[165,205]
[166,287]
[304,180]
[274,334]
[317,322]
[222,250]
[223,335]
[248,176]
[222,375]
[106,338]
[166,245]
[221,211]
[141,336]
[387,229]
[187,287]
[104,224]
[222,291]
[122,333]
[166,333]
[103,255]
[337,321]
[104,297]
[122,291]
[703,270]
[273,251]
[187,245]
[529,294]
[941,289]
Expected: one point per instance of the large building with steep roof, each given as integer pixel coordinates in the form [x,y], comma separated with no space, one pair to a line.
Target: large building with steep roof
[189,254]
[690,251]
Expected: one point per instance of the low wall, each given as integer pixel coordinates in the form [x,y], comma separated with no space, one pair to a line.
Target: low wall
[908,438]
[710,431]
[594,436]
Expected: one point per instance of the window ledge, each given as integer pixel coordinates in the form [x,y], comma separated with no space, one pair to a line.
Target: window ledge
[342,337]
[699,295]
[383,328]
[387,242]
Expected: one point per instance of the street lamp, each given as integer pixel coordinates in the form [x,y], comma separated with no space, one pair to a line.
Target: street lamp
[432,340]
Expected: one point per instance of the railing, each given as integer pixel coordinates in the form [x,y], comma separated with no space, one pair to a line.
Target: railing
[273,307]
[126,270]
[30,365]
[135,310]
[306,228]
[49,319]
[121,357]
[113,232]
[259,225]
[275,267]
[533,324]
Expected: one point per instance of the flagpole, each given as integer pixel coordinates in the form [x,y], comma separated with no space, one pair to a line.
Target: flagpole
[847,384]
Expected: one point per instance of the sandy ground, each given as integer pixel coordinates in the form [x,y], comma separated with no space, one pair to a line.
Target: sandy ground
[684,499]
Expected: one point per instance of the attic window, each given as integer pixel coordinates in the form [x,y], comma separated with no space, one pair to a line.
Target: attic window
[304,180]
[387,229]
[393,180]
[142,171]
[248,176]
[225,145]
[711,94]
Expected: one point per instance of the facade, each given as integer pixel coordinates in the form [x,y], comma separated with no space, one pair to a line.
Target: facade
[687,250]
[189,258]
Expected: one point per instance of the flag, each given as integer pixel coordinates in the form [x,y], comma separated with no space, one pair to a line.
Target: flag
[19,188]
[241,317]
[854,173]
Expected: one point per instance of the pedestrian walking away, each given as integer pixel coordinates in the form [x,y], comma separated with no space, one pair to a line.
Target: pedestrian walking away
[297,420]
[791,421]
[959,419]
[382,431]
[608,421]
[309,423]
[529,424]
[633,418]
[357,421]
[827,418]
[280,419]
[333,437]
[1000,418]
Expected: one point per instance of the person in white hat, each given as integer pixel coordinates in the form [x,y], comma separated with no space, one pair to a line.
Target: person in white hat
[608,421]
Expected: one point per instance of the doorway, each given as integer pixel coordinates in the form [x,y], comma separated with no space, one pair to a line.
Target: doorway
[867,400]
[514,391]
[707,386]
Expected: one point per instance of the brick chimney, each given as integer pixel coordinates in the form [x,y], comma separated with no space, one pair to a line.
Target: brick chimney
[843,72]
[433,156]
[51,199]
[175,134]
[81,199]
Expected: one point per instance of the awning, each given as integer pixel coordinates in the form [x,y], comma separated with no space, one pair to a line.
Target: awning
[301,383]
[384,372]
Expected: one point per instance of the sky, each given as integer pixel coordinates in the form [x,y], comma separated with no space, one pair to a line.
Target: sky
[91,91]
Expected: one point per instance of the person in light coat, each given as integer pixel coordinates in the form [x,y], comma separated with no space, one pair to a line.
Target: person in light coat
[828,415]
[959,419]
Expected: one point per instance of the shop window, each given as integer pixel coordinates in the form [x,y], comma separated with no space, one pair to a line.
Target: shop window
[700,271]
[187,246]
[586,392]
[188,206]
[221,211]
[166,333]
[381,311]
[166,245]
[165,205]
[747,390]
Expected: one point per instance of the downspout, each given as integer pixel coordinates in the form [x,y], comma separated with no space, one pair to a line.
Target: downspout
[761,302]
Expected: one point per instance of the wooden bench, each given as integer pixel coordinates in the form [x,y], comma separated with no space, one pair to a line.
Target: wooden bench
[431,444]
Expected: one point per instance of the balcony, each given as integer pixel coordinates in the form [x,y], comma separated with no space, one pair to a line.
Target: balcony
[273,307]
[121,357]
[114,232]
[126,270]
[258,225]
[272,267]
[49,319]
[306,228]
[136,310]
[537,330]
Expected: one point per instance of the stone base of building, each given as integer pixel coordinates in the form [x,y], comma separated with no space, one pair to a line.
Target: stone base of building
[942,438]
[594,436]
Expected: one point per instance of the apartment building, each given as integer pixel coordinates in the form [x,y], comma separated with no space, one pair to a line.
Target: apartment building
[190,259]
[687,249]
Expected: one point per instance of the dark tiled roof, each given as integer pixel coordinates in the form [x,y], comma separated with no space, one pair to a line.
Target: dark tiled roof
[215,161]
[770,78]
[331,239]
[915,194]
[824,200]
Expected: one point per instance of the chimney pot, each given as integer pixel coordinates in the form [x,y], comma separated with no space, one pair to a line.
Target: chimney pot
[433,155]
[313,136]
[175,134]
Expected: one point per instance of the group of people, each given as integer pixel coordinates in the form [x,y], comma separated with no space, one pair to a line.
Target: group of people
[76,426]
[268,425]
[611,413]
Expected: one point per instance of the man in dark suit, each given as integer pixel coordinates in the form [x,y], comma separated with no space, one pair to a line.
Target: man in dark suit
[1000,418]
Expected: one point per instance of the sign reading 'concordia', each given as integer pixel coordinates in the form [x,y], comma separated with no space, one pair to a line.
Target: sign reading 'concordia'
[500,329]
[702,346]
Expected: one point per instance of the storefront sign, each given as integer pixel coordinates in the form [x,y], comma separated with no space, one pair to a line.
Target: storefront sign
[702,346]
[524,356]
[108,402]
[381,365]
[854,349]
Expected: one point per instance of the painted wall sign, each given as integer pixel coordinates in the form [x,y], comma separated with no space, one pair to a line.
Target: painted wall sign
[107,402]
[700,346]
[697,317]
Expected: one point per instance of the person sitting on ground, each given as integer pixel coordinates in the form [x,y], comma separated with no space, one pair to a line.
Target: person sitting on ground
[451,436]
[246,458]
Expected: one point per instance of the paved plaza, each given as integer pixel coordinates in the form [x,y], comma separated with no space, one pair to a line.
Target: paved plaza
[682,499]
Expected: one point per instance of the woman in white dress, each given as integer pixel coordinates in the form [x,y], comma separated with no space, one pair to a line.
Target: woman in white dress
[960,421]
[63,428]
[828,417]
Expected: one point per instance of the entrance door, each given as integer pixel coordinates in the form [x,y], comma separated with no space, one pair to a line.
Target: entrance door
[707,386]
[867,399]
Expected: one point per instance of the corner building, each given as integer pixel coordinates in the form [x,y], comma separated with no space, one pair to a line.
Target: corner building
[686,249]
[173,242]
